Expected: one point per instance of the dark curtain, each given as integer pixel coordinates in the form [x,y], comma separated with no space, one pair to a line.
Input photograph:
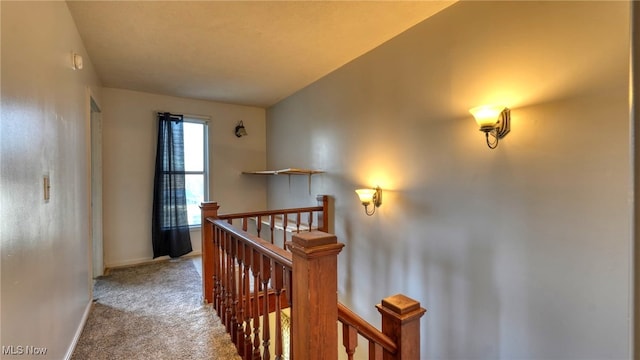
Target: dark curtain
[170,228]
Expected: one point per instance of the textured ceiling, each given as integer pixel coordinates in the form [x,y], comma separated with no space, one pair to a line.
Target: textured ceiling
[251,53]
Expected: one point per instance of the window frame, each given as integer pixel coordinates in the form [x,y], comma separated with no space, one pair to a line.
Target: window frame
[204,121]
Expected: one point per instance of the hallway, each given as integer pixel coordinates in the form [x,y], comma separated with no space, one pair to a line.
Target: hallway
[153,311]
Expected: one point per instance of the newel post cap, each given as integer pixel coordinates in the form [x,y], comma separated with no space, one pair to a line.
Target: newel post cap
[209,205]
[314,244]
[209,209]
[401,307]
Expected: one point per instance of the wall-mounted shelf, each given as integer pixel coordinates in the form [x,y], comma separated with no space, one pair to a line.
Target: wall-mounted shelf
[288,171]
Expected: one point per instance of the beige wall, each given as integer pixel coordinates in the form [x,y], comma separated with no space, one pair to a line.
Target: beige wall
[129,148]
[45,247]
[519,252]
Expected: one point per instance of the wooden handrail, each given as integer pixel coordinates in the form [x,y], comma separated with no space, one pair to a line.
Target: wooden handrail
[253,214]
[368,331]
[322,210]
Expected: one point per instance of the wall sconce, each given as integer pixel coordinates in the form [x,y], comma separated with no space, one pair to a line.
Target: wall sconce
[494,120]
[240,130]
[368,196]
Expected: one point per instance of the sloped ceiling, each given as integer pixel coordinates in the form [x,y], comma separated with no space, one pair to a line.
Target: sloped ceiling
[242,52]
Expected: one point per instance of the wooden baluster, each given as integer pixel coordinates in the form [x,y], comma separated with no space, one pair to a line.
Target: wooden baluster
[259,224]
[239,334]
[272,225]
[233,252]
[298,222]
[222,282]
[255,268]
[285,225]
[208,210]
[265,276]
[375,351]
[227,283]
[401,323]
[310,220]
[247,303]
[228,274]
[231,275]
[245,223]
[288,284]
[222,295]
[216,270]
[315,263]
[278,283]
[230,221]
[288,288]
[223,276]
[220,267]
[349,339]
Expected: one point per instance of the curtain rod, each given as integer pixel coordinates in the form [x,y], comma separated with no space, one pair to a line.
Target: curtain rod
[170,114]
[190,116]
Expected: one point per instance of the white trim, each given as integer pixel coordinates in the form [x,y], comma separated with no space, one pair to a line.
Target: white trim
[76,337]
[205,158]
[197,117]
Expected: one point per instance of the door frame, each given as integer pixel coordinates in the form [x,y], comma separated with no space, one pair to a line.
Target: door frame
[96,247]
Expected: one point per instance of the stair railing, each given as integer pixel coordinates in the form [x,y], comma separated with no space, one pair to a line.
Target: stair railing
[247,279]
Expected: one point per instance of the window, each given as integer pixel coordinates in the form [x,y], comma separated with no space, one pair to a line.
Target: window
[196,167]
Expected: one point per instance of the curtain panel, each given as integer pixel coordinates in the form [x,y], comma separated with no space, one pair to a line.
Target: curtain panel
[170,227]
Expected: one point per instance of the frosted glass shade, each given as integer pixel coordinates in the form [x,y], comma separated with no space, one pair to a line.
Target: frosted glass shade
[365,195]
[487,116]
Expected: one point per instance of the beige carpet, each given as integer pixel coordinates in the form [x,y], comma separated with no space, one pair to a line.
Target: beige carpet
[153,311]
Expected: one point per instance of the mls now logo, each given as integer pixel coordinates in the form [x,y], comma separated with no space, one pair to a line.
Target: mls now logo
[23,350]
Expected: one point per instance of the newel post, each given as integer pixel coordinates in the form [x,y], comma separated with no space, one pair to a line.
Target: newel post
[315,295]
[208,209]
[323,219]
[401,322]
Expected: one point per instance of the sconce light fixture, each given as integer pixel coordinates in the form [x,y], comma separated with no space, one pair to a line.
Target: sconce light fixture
[240,130]
[494,121]
[368,196]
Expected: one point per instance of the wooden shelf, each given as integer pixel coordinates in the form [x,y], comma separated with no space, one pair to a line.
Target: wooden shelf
[288,171]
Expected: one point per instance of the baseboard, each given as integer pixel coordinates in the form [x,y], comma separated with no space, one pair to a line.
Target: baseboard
[76,337]
[142,261]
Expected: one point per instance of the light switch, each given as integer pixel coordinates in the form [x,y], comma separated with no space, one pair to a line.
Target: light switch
[47,188]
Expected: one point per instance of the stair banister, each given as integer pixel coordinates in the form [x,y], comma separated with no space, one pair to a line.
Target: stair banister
[230,254]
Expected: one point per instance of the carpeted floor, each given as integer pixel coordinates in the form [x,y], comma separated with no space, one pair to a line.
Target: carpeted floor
[153,311]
